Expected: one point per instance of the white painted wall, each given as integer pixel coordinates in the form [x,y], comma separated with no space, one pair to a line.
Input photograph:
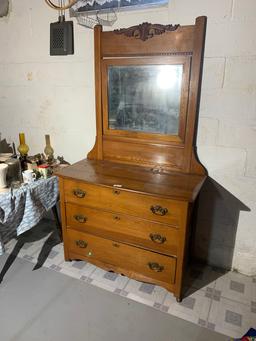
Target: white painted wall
[42,95]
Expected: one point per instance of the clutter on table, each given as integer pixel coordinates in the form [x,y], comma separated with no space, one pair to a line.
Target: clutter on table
[16,170]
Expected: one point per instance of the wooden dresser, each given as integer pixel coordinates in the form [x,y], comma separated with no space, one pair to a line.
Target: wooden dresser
[127,207]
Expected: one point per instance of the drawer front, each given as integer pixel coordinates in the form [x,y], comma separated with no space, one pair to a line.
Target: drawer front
[128,229]
[117,200]
[122,256]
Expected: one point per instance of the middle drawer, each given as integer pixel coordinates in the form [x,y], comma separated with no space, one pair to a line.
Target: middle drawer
[124,228]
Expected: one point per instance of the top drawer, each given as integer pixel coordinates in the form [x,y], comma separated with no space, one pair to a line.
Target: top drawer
[114,199]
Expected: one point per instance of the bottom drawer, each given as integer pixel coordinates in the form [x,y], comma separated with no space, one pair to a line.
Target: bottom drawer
[124,257]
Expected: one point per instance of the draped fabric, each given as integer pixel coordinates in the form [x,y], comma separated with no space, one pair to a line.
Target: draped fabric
[22,208]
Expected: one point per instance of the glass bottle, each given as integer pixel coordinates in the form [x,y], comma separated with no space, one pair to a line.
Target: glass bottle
[23,149]
[48,150]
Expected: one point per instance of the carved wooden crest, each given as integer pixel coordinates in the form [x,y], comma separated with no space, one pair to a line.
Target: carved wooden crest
[146,30]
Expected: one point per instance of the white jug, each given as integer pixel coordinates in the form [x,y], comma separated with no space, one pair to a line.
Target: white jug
[3,172]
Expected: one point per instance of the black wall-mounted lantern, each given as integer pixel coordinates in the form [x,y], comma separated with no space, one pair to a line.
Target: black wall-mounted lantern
[61,37]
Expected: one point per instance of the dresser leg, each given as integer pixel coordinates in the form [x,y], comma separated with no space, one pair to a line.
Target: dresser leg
[66,255]
[178,299]
[67,259]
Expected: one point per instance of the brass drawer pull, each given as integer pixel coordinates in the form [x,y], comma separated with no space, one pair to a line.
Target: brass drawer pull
[79,193]
[159,210]
[116,191]
[80,218]
[155,267]
[81,243]
[157,238]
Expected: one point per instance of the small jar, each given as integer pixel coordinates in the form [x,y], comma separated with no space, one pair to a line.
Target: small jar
[44,170]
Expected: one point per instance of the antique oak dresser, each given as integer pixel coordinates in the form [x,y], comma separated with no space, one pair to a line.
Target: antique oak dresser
[127,207]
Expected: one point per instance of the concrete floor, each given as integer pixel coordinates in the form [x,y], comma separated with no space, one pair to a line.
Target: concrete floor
[44,305]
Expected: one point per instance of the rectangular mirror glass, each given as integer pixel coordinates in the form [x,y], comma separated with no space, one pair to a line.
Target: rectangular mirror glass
[145,98]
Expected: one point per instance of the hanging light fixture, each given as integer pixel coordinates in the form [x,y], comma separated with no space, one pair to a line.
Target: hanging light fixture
[62,6]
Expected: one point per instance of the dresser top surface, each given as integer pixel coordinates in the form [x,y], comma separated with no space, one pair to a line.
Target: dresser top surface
[138,179]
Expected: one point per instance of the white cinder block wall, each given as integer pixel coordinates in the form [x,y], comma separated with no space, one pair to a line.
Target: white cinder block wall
[42,95]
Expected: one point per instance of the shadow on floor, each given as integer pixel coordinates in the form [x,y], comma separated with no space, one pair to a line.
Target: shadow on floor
[42,230]
[198,276]
[213,234]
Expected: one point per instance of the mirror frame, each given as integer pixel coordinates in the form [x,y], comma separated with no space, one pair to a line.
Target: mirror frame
[147,42]
[170,60]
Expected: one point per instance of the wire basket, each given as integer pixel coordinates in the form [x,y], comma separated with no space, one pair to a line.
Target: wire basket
[106,18]
[86,20]
[102,17]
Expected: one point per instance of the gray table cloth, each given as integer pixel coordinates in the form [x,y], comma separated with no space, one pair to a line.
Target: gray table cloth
[22,208]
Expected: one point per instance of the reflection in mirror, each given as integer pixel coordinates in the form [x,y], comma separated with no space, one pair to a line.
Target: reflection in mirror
[145,98]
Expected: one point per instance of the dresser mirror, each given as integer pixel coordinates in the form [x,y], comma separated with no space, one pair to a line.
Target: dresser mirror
[144,97]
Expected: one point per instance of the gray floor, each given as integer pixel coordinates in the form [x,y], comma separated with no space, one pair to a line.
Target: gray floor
[49,306]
